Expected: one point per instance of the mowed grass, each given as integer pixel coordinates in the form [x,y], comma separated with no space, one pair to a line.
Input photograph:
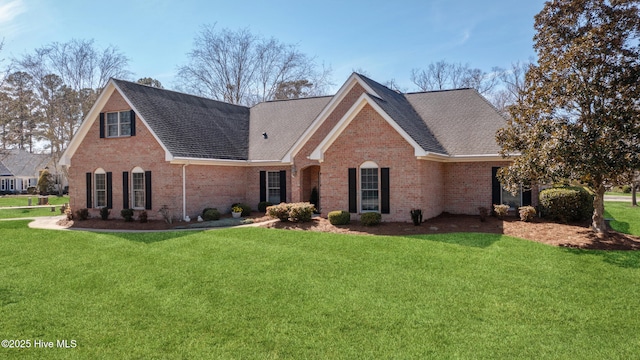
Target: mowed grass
[626,217]
[22,200]
[274,294]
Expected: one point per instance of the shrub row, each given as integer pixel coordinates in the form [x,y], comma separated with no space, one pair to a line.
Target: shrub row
[370,219]
[566,204]
[296,212]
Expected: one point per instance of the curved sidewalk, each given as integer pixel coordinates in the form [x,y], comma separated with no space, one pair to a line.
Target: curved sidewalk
[51,223]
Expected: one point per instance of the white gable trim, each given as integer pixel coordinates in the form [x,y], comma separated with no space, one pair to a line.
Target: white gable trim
[94,113]
[363,100]
[331,106]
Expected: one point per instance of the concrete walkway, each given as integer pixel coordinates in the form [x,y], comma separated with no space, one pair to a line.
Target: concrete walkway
[51,223]
[617,198]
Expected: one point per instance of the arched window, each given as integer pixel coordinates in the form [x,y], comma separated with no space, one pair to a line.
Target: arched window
[137,188]
[369,187]
[100,187]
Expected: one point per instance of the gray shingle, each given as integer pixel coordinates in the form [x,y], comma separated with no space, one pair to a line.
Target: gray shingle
[463,121]
[191,126]
[284,122]
[401,111]
[4,171]
[21,163]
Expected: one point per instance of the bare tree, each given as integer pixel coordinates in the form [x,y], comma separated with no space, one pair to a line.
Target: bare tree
[21,118]
[512,86]
[442,75]
[241,68]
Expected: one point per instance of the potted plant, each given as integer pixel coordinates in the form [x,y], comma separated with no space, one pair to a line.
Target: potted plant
[236,211]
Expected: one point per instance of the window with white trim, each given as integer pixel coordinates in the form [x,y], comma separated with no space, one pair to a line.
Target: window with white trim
[3,185]
[273,187]
[137,188]
[369,187]
[100,188]
[118,124]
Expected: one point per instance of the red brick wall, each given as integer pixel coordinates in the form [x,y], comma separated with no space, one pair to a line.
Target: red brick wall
[213,186]
[117,155]
[370,138]
[300,160]
[468,186]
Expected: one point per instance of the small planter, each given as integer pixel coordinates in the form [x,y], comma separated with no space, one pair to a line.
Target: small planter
[236,215]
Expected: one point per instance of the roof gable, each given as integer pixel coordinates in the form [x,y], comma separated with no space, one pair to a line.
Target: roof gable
[21,163]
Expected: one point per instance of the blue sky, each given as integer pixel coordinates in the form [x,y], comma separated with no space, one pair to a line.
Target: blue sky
[386,39]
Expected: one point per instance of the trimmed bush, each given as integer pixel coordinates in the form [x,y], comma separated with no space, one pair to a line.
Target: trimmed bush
[246,209]
[339,217]
[104,213]
[143,217]
[127,214]
[296,212]
[484,212]
[566,204]
[82,214]
[501,210]
[211,215]
[263,205]
[626,189]
[370,219]
[527,213]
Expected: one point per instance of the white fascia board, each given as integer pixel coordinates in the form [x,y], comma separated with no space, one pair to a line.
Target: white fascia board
[65,159]
[465,158]
[328,109]
[222,162]
[364,99]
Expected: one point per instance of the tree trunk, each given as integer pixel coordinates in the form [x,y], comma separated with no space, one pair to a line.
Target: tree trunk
[598,225]
[634,202]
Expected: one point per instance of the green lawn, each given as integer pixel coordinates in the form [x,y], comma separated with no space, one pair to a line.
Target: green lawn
[616,193]
[22,200]
[627,217]
[266,294]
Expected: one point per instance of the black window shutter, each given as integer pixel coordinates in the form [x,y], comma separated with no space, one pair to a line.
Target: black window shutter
[133,123]
[109,192]
[125,190]
[147,190]
[384,189]
[89,190]
[283,186]
[263,186]
[101,125]
[353,192]
[496,189]
[526,197]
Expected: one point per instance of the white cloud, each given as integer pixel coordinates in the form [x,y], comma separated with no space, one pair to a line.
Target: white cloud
[9,11]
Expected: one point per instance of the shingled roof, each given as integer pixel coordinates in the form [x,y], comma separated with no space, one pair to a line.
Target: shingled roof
[455,122]
[191,126]
[20,163]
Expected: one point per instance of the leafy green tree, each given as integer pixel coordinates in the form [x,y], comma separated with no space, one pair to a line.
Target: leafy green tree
[578,115]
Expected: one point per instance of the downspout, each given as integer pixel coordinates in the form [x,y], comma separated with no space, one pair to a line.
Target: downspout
[184,191]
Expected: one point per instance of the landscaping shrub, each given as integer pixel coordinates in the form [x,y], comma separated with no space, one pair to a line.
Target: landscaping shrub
[339,217]
[69,213]
[370,219]
[566,204]
[527,213]
[211,215]
[501,210]
[104,213]
[246,209]
[82,214]
[127,214]
[626,189]
[297,212]
[263,205]
[484,212]
[280,211]
[301,212]
[143,217]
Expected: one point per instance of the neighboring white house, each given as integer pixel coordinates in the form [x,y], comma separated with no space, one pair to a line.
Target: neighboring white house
[20,170]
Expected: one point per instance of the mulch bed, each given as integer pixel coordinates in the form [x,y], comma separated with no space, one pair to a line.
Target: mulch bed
[577,235]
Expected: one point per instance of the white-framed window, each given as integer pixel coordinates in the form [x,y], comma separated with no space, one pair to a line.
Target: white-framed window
[514,201]
[369,187]
[100,187]
[118,124]
[137,188]
[3,184]
[273,187]
[12,185]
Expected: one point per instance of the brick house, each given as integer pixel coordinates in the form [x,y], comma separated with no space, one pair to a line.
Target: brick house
[367,148]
